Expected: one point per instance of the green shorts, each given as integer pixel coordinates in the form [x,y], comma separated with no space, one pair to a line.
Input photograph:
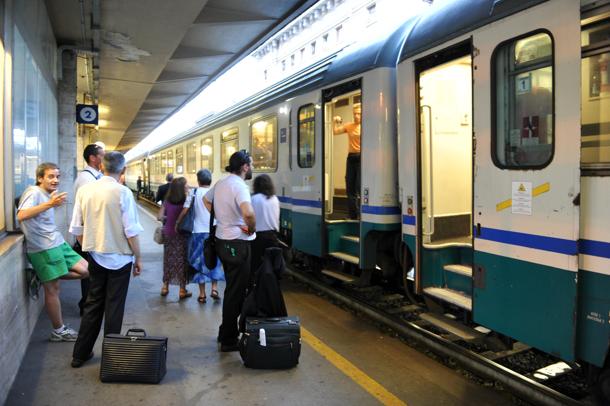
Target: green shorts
[54,263]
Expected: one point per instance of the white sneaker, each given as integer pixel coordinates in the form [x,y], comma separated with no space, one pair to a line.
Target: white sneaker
[67,334]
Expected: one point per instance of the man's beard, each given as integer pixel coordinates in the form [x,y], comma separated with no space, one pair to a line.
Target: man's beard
[249,174]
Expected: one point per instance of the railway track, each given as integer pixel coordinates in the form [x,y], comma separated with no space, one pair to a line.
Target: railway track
[529,374]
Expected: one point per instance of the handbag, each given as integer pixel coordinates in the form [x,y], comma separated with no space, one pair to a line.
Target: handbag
[210,257]
[158,235]
[188,221]
[133,357]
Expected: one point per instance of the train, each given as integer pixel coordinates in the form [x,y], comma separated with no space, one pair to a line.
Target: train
[485,167]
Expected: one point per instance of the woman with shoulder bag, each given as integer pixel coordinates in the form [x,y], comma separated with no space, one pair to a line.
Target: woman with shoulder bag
[201,228]
[175,243]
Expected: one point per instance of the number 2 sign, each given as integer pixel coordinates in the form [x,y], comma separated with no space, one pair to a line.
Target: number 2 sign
[86,113]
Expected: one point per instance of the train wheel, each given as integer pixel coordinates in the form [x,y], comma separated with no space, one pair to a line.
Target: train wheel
[406,265]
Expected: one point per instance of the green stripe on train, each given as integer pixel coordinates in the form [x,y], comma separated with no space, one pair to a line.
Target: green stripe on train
[593,332]
[530,302]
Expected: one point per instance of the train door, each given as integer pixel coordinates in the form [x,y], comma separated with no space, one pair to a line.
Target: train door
[527,175]
[444,261]
[306,194]
[342,124]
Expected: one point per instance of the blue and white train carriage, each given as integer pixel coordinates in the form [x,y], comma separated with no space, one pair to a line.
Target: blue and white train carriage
[288,130]
[504,164]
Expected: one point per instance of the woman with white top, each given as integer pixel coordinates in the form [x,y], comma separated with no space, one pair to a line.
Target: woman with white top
[267,211]
[201,230]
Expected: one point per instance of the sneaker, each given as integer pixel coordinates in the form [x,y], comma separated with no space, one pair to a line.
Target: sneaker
[67,334]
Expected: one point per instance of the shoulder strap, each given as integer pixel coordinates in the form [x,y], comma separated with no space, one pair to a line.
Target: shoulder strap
[212,228]
[90,173]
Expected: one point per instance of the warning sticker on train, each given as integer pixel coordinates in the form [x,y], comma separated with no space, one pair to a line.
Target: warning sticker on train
[86,113]
[522,198]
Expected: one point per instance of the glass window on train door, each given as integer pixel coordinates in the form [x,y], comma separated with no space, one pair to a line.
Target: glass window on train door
[180,159]
[306,136]
[191,157]
[595,129]
[523,104]
[170,161]
[263,141]
[163,163]
[207,153]
[229,143]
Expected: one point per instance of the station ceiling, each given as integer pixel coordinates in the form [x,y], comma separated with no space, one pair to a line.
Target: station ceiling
[154,55]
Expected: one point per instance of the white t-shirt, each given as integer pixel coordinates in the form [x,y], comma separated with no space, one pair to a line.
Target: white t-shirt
[40,231]
[202,215]
[227,194]
[267,212]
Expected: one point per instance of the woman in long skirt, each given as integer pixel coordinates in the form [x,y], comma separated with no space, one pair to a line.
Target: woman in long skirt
[175,262]
[201,228]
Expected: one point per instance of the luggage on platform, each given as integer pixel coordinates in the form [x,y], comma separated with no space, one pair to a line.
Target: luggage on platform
[271,342]
[133,357]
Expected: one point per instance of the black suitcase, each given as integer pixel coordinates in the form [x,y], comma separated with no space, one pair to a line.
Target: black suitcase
[271,342]
[133,357]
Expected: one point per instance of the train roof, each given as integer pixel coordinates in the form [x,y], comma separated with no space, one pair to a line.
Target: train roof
[450,19]
[382,50]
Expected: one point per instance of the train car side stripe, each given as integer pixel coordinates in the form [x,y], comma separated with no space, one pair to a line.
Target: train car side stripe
[595,248]
[380,209]
[410,220]
[552,244]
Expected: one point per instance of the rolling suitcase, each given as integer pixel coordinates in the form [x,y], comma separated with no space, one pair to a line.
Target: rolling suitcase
[133,357]
[271,342]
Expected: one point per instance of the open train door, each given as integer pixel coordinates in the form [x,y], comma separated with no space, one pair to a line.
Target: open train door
[526,72]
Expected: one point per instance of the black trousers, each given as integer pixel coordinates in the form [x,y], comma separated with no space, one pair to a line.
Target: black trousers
[84,283]
[106,300]
[264,240]
[352,184]
[235,258]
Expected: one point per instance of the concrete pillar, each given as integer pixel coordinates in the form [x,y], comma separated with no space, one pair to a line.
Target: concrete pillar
[66,109]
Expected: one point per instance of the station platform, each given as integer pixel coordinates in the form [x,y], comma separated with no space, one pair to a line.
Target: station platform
[344,360]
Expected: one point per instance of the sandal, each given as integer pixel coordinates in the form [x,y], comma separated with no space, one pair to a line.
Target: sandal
[184,294]
[164,290]
[202,299]
[215,294]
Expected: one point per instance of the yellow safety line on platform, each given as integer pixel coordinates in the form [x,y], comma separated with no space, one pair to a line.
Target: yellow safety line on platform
[538,190]
[349,369]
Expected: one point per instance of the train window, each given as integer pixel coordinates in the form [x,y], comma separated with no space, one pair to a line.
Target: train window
[595,128]
[523,102]
[306,136]
[207,154]
[263,139]
[170,161]
[180,159]
[163,163]
[191,157]
[229,143]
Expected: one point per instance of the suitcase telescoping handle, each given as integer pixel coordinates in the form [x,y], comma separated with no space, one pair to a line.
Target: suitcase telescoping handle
[136,330]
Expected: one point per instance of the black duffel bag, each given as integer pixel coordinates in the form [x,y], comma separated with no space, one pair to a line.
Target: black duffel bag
[271,342]
[133,357]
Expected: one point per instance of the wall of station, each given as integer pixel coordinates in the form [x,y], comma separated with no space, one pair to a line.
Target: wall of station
[29,125]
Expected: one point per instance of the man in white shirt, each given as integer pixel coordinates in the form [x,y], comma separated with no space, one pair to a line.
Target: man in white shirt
[105,222]
[235,229]
[93,155]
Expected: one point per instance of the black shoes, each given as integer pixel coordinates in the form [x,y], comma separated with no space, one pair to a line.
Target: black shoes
[77,363]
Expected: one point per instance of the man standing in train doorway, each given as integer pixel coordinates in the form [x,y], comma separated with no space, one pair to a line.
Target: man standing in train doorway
[352,167]
[234,232]
[93,155]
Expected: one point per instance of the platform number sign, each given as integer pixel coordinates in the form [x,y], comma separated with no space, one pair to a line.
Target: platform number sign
[86,113]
